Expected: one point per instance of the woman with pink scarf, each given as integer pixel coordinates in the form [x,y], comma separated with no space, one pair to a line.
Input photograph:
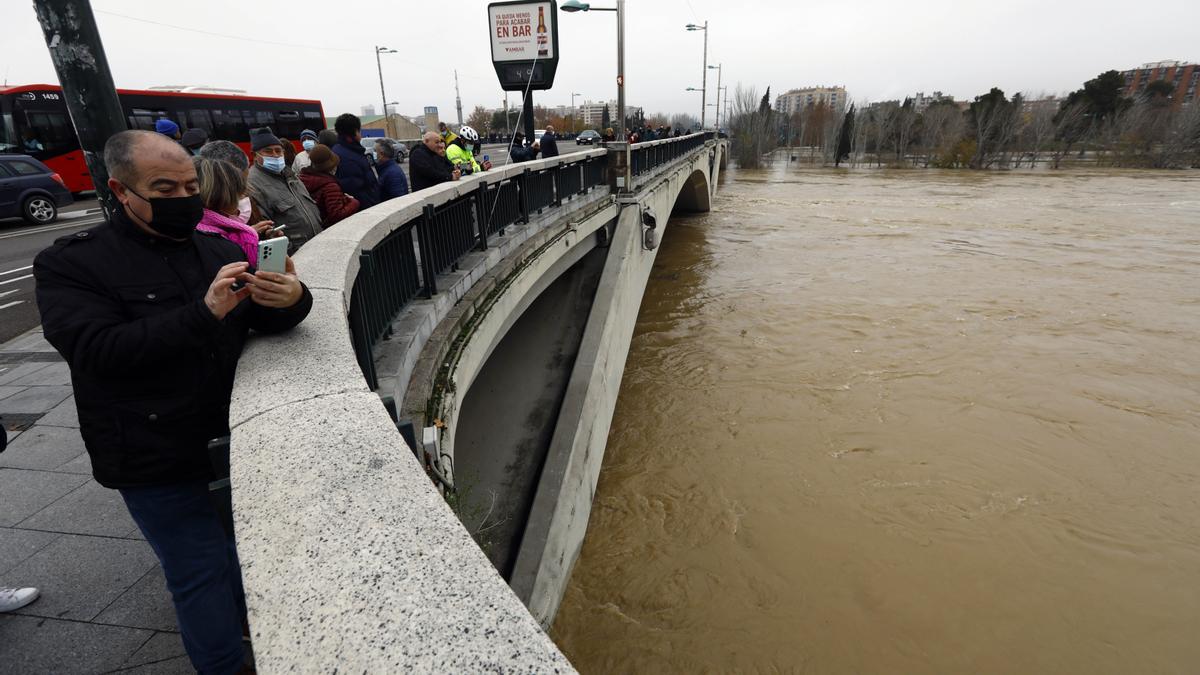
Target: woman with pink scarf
[221,188]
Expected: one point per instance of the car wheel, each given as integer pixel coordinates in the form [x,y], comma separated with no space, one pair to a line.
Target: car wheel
[39,210]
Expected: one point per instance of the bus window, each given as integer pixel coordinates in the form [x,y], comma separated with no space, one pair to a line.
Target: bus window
[260,118]
[229,125]
[8,134]
[287,123]
[313,120]
[199,118]
[52,131]
[141,118]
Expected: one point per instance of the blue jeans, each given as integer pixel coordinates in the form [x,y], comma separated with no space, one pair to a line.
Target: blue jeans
[200,563]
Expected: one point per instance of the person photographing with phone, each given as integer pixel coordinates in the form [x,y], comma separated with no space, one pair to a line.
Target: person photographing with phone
[145,311]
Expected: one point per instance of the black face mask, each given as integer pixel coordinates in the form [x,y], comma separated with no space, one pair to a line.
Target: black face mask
[174,217]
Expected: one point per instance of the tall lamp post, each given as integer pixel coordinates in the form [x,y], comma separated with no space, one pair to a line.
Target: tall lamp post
[704,72]
[387,119]
[717,122]
[383,95]
[622,146]
[573,115]
[701,94]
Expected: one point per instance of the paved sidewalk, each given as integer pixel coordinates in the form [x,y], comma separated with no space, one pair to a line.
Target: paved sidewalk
[104,605]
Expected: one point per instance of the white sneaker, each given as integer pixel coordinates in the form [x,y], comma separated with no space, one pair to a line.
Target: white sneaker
[12,599]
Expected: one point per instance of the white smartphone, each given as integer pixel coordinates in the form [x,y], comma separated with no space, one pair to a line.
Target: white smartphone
[272,255]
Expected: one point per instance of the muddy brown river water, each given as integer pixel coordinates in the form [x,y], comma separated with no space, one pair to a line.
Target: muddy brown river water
[916,422]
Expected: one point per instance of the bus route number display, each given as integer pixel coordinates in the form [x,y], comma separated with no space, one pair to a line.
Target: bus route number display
[524,37]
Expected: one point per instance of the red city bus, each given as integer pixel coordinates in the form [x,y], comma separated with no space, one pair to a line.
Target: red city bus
[34,121]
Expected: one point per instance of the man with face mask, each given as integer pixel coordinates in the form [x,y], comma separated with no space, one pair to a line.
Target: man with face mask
[278,193]
[146,313]
[308,140]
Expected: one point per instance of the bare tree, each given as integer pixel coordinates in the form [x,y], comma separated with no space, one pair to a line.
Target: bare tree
[1070,124]
[905,122]
[883,116]
[1039,129]
[942,128]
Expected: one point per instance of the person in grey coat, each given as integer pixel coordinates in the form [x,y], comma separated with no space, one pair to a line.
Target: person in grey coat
[278,193]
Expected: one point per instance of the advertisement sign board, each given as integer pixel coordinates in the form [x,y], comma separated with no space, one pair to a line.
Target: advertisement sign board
[524,37]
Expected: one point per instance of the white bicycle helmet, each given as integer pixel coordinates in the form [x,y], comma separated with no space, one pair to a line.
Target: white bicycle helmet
[468,133]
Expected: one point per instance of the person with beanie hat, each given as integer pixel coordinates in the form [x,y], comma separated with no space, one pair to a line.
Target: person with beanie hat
[193,139]
[167,128]
[278,193]
[318,178]
[308,140]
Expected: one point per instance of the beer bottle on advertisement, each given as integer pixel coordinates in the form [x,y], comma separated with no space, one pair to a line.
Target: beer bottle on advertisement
[543,40]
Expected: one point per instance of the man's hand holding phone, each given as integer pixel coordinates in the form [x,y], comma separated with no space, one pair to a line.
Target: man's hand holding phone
[221,298]
[272,289]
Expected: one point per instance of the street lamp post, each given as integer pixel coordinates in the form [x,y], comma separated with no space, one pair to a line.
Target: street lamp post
[573,115]
[621,146]
[387,119]
[717,122]
[704,72]
[379,65]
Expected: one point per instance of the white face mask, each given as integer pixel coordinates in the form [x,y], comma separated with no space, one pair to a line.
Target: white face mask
[244,210]
[309,144]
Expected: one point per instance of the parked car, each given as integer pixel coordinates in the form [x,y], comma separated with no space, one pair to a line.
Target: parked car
[29,189]
[368,143]
[589,137]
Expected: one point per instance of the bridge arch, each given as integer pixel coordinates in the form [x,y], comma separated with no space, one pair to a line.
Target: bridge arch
[695,194]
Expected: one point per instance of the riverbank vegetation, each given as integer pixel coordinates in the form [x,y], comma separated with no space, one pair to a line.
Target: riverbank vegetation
[1096,123]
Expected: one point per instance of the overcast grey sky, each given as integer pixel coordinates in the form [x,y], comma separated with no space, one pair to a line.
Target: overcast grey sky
[875,48]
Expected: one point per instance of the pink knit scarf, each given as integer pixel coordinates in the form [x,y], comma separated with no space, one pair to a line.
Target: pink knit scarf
[232,229]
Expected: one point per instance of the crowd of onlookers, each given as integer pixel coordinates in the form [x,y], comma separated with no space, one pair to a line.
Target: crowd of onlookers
[298,194]
[279,191]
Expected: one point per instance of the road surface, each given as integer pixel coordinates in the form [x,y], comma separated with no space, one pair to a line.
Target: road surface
[19,244]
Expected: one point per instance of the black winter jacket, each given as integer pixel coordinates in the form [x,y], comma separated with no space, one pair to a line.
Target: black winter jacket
[152,368]
[427,168]
[356,173]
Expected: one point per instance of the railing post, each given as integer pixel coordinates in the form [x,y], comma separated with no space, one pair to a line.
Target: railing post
[425,241]
[555,175]
[482,213]
[523,187]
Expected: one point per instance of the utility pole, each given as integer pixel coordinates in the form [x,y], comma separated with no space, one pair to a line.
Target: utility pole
[573,115]
[379,65]
[457,98]
[91,97]
[717,122]
[704,79]
[507,130]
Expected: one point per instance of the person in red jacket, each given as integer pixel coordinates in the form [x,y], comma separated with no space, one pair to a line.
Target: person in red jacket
[318,178]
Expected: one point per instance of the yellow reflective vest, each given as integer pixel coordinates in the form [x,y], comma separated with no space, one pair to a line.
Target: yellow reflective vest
[460,155]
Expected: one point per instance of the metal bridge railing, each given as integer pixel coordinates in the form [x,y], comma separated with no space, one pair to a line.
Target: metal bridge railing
[647,157]
[405,264]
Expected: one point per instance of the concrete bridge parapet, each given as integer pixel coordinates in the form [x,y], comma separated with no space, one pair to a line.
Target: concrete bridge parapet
[352,559]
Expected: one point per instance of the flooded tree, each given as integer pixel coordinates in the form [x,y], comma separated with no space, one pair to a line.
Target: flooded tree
[752,126]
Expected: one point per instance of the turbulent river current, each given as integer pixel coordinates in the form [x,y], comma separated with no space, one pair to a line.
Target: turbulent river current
[907,422]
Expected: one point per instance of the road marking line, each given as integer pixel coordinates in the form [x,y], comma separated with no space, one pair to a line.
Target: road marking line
[12,281]
[11,304]
[50,228]
[15,290]
[19,269]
